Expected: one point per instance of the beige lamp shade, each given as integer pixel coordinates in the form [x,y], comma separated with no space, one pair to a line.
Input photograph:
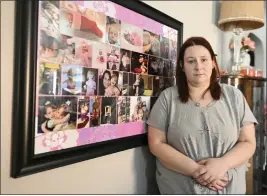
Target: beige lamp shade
[247,15]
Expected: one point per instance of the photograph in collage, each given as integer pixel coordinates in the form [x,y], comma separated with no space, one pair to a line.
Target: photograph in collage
[49,16]
[155,66]
[113,57]
[49,79]
[83,120]
[108,111]
[123,83]
[57,114]
[136,85]
[99,55]
[173,51]
[173,67]
[148,85]
[123,107]
[95,107]
[83,52]
[113,89]
[158,85]
[125,62]
[139,63]
[131,37]
[71,79]
[169,82]
[113,28]
[164,47]
[56,48]
[151,43]
[140,85]
[89,81]
[108,83]
[78,21]
[167,69]
[139,108]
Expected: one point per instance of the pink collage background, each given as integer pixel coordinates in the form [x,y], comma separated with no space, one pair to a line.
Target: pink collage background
[71,138]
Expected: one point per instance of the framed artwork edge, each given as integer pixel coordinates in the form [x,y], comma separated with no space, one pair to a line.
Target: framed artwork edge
[23,160]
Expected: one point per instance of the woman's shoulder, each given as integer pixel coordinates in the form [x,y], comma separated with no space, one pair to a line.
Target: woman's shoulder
[230,90]
[170,92]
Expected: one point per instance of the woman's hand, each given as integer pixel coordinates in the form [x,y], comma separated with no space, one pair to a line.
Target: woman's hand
[216,185]
[214,169]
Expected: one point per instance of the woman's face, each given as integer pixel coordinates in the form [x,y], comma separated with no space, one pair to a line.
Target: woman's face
[197,65]
[106,80]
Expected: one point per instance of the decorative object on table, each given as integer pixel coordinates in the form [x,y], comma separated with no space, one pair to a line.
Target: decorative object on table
[238,16]
[246,45]
[63,62]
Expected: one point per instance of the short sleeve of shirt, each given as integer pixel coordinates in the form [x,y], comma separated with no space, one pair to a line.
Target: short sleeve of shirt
[246,115]
[158,117]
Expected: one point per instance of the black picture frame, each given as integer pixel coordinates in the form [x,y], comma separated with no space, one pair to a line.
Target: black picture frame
[24,162]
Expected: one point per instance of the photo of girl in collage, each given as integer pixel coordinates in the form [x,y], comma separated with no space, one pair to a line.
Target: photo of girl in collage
[96,70]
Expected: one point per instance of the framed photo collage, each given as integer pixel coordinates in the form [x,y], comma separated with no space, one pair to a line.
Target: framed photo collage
[99,68]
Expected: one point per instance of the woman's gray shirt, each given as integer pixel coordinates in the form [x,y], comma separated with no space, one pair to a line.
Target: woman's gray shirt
[200,133]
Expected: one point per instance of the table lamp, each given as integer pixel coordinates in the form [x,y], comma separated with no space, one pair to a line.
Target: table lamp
[237,16]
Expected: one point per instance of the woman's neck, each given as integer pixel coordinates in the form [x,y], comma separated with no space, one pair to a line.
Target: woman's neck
[197,91]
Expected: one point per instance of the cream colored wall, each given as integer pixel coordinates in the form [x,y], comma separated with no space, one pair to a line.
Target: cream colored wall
[127,172]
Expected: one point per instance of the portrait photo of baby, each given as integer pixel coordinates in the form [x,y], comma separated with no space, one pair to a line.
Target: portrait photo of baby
[49,79]
[71,82]
[151,43]
[113,58]
[125,63]
[83,52]
[90,81]
[56,114]
[113,28]
[131,37]
[99,57]
[75,20]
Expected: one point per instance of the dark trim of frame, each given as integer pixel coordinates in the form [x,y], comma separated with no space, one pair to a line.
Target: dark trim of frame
[24,162]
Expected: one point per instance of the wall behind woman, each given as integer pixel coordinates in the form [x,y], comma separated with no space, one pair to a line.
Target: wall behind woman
[127,172]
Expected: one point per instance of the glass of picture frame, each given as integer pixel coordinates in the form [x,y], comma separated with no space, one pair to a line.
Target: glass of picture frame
[87,74]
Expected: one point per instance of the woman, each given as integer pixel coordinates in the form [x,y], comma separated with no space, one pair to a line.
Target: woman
[202,132]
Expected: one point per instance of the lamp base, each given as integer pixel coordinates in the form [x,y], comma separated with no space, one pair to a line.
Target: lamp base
[236,67]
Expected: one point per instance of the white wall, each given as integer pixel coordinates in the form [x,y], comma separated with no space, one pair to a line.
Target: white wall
[127,172]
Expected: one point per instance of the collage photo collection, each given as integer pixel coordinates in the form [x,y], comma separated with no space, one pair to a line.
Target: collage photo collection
[94,69]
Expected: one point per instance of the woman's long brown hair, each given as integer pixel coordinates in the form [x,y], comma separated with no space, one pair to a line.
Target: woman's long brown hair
[181,80]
